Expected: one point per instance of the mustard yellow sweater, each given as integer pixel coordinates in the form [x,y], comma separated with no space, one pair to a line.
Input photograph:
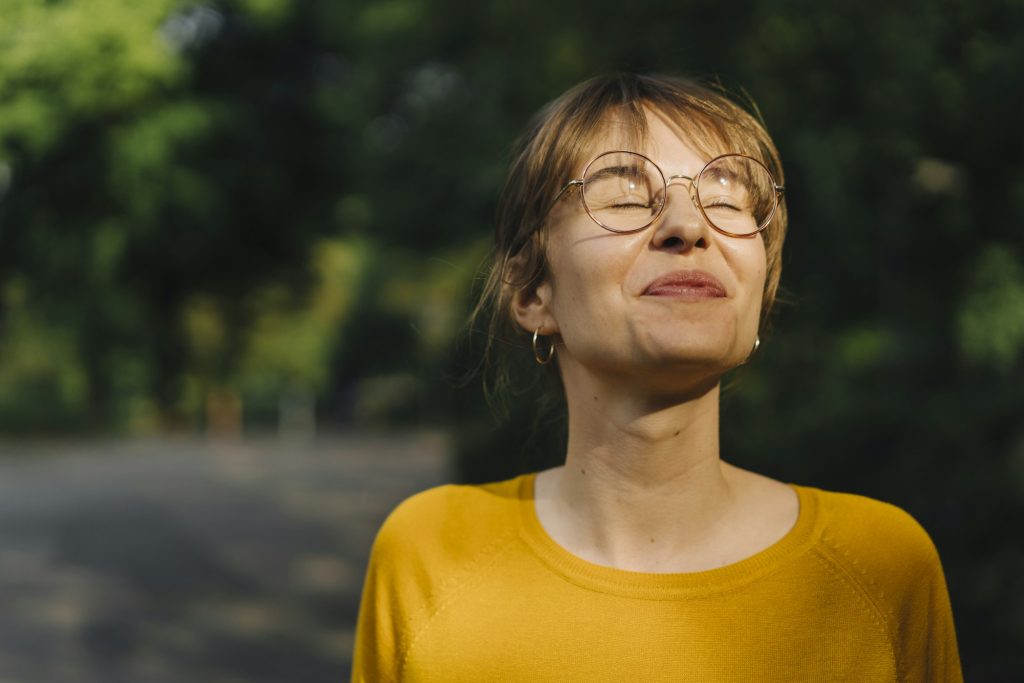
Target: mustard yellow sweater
[465,586]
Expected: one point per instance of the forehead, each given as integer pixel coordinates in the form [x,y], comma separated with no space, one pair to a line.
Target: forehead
[674,141]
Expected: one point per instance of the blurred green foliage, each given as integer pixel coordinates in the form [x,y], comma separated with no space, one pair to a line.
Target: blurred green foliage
[247,205]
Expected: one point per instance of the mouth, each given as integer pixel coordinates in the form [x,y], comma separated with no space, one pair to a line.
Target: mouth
[686,284]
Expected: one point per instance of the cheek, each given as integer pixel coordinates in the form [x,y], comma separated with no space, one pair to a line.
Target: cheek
[757,267]
[750,261]
[587,279]
[762,265]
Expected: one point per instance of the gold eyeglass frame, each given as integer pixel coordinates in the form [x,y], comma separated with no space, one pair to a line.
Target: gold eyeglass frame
[694,192]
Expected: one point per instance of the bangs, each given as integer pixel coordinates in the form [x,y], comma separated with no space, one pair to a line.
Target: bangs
[620,113]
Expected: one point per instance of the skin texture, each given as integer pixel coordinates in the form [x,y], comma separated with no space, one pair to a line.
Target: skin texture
[644,487]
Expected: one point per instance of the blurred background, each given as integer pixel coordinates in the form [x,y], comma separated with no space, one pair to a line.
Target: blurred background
[238,240]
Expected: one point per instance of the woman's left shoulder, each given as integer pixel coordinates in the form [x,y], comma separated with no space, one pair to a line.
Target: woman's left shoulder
[886,555]
[875,540]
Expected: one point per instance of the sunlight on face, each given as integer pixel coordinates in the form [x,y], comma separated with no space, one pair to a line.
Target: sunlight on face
[701,318]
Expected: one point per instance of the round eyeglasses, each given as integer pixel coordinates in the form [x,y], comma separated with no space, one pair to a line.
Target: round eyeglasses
[625,192]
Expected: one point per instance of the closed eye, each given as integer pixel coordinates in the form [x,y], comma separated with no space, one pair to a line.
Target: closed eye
[722,204]
[632,205]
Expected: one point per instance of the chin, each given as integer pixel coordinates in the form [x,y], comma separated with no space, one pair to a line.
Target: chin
[711,363]
[692,350]
[682,369]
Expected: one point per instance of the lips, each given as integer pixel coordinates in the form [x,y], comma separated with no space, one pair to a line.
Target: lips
[687,284]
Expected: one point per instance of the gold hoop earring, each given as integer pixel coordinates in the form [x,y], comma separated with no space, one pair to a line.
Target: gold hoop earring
[757,342]
[536,353]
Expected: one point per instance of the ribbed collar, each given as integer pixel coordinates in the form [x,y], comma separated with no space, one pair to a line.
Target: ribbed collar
[666,586]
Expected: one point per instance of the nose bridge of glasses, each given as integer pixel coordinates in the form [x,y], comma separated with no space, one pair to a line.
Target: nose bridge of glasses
[684,181]
[674,180]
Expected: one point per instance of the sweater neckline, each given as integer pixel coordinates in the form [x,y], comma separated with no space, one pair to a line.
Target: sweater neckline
[666,586]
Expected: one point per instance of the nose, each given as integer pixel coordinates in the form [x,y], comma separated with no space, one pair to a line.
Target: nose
[681,226]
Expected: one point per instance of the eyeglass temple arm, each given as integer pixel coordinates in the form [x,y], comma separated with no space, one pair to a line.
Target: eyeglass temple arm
[563,190]
[555,200]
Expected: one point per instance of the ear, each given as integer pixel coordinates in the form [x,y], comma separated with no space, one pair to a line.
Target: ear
[530,306]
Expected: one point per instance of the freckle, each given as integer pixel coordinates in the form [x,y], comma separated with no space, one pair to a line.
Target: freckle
[677,432]
[595,398]
[652,540]
[582,471]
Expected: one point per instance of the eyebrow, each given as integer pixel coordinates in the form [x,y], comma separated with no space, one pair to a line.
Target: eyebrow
[728,174]
[618,171]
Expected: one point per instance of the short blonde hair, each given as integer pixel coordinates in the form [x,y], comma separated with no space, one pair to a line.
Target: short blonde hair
[551,149]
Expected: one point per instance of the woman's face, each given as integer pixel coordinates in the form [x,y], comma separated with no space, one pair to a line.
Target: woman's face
[700,322]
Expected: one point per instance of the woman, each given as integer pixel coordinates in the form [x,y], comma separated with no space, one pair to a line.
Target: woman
[638,247]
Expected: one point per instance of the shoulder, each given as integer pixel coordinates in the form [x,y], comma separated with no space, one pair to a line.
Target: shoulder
[876,531]
[428,548]
[886,555]
[449,520]
[881,548]
[454,505]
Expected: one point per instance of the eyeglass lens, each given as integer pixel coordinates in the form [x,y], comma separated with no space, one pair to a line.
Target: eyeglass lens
[626,191]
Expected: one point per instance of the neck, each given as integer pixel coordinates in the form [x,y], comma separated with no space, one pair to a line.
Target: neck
[643,482]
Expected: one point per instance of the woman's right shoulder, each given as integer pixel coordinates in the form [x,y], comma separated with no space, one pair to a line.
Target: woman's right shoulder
[451,517]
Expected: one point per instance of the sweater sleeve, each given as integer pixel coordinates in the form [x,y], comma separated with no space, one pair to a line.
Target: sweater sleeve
[925,626]
[895,563]
[430,548]
[378,628]
[408,566]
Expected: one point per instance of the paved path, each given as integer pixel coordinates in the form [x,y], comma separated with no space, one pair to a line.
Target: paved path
[184,561]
